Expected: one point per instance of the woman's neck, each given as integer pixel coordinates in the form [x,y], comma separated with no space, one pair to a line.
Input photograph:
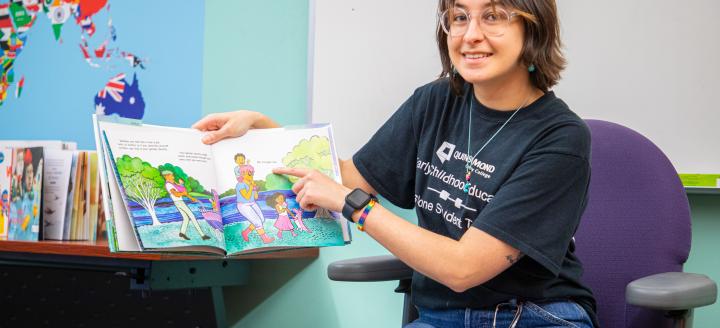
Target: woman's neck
[506,96]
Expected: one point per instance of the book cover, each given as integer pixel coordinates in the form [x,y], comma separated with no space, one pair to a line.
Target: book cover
[58,164]
[178,194]
[5,173]
[25,193]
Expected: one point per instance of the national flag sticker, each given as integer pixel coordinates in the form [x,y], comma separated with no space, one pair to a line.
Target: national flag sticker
[19,87]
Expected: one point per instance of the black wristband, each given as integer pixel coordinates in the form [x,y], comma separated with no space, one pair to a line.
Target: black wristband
[348,211]
[354,201]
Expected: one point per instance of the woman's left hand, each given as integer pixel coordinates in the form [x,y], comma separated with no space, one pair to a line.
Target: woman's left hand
[316,190]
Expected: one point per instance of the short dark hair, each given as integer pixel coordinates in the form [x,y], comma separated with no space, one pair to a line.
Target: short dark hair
[272,200]
[239,155]
[542,46]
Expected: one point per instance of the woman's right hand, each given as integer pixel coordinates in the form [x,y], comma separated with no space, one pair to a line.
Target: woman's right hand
[231,124]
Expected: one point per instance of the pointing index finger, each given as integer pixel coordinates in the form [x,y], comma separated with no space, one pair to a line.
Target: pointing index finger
[297,172]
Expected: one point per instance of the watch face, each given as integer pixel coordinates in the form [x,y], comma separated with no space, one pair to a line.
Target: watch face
[358,198]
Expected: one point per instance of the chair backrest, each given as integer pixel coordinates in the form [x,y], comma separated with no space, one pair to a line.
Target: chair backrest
[637,222]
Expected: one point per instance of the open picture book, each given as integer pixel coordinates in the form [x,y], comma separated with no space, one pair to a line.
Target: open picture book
[169,192]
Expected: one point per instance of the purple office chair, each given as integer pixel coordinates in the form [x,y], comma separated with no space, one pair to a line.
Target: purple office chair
[637,224]
[633,239]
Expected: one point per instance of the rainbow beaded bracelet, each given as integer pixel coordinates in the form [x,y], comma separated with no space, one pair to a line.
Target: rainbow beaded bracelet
[361,220]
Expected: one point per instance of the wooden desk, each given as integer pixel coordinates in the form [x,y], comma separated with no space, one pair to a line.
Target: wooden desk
[145,271]
[100,250]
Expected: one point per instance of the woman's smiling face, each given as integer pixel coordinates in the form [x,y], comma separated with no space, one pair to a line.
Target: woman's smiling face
[479,57]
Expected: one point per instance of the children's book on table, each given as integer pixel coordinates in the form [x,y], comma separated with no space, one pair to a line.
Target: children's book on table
[169,192]
[21,181]
[48,190]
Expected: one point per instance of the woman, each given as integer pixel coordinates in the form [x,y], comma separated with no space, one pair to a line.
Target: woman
[498,173]
[246,195]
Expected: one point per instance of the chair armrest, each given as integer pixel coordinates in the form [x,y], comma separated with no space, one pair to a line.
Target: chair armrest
[672,291]
[373,268]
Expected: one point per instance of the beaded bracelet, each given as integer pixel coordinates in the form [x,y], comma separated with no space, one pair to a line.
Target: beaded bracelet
[361,220]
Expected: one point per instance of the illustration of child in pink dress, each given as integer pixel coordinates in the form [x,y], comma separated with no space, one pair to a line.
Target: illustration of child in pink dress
[180,186]
[283,223]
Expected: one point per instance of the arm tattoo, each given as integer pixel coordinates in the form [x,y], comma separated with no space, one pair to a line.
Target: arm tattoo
[514,260]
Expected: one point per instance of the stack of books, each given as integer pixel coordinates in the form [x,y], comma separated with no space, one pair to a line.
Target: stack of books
[49,190]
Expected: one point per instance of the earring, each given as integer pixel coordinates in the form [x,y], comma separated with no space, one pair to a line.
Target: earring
[531,68]
[454,71]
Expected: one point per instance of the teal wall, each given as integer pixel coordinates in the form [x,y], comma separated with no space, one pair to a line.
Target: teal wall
[704,256]
[255,57]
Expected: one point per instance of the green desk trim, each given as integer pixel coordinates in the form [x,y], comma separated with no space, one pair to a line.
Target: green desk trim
[702,191]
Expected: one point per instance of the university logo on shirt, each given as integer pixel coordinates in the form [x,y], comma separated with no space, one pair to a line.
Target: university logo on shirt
[445,151]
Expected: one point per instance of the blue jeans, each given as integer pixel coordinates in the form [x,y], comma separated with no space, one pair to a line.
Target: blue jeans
[526,314]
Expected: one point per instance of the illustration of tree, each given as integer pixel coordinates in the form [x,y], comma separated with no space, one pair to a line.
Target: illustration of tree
[314,154]
[261,185]
[195,185]
[276,182]
[311,154]
[142,183]
[229,192]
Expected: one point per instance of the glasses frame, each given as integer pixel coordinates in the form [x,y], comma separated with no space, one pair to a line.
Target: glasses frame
[446,29]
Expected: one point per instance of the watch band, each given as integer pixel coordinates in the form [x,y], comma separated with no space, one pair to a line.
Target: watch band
[354,201]
[348,211]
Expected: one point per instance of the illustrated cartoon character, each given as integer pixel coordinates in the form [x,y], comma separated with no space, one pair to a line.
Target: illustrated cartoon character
[180,186]
[299,220]
[246,195]
[282,223]
[240,161]
[213,218]
[177,198]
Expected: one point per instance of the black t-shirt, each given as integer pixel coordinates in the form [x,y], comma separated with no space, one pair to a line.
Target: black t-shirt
[528,188]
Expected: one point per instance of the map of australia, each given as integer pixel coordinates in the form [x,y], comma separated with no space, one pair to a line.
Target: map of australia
[17,18]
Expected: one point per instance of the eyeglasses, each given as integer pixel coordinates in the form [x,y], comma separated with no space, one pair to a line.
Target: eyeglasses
[493,22]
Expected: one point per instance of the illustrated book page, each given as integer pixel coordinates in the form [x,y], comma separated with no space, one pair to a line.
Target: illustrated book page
[166,180]
[167,191]
[259,208]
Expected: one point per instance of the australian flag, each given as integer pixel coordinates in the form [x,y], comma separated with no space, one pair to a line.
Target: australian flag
[120,98]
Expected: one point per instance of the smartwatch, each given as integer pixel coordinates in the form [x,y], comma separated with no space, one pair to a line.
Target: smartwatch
[354,201]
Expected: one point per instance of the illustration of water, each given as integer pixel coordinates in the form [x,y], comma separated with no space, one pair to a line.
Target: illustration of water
[323,232]
[166,211]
